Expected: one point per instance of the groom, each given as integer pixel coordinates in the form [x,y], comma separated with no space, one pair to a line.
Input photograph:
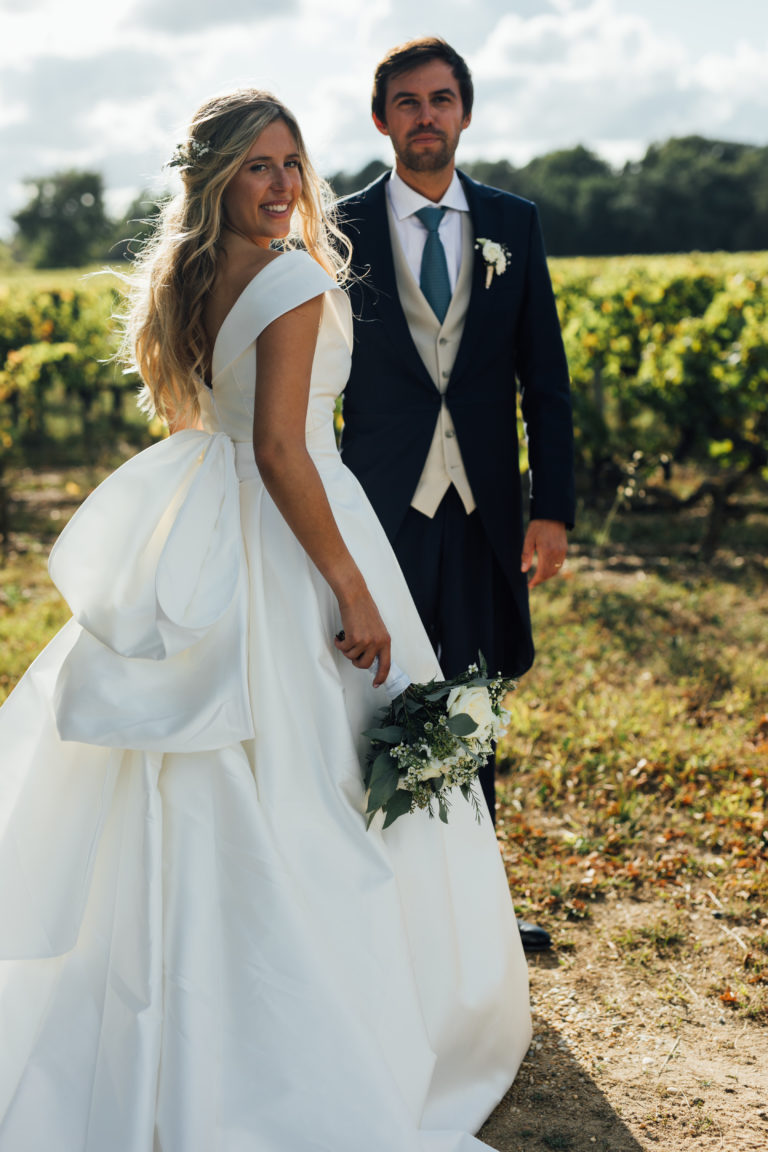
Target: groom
[453,308]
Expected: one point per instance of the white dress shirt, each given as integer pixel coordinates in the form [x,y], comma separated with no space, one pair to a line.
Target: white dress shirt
[411,232]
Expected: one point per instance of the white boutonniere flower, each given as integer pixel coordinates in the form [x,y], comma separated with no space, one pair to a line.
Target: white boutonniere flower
[495,256]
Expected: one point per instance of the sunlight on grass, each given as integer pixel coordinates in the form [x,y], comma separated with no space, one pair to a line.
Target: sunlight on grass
[637,754]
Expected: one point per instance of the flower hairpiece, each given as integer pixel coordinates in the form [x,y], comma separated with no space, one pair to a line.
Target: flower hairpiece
[188,154]
[495,255]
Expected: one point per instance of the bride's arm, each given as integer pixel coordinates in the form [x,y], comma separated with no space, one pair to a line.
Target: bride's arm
[285,350]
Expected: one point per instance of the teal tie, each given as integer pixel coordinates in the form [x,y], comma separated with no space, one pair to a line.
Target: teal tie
[433,279]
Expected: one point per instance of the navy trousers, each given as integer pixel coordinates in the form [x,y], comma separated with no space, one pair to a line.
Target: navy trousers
[461,594]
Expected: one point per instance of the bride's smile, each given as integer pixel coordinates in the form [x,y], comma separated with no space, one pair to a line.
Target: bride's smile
[260,199]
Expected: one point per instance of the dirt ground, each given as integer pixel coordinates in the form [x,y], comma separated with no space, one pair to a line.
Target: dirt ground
[634,1047]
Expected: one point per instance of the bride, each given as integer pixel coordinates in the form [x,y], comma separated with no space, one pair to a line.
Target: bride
[201,946]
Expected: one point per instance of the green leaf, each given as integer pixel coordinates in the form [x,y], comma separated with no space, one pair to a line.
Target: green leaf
[443,809]
[399,805]
[439,693]
[461,724]
[376,766]
[392,734]
[384,780]
[383,764]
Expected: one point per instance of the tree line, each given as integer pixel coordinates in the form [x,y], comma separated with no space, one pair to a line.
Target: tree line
[687,194]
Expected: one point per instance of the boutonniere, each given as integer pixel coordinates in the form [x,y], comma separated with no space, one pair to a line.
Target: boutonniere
[495,256]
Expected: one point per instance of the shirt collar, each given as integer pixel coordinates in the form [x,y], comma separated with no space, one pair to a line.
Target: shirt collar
[405,201]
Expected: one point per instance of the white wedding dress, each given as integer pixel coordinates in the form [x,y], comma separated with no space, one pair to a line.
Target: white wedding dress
[202,948]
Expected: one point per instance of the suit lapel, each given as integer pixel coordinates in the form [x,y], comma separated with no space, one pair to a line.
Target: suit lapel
[486,222]
[382,300]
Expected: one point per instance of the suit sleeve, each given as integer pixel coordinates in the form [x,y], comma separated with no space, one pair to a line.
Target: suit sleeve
[542,373]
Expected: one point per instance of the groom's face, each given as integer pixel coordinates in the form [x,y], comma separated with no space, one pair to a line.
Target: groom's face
[424,117]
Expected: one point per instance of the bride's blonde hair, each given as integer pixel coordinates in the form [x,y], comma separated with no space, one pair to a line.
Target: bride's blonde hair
[164,337]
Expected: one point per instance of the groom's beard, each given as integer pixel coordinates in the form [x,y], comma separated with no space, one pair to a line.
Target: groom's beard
[428,161]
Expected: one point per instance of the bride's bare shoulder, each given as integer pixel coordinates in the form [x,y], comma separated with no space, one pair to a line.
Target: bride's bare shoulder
[246,267]
[233,276]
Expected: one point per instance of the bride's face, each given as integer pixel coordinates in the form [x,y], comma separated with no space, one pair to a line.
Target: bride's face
[259,200]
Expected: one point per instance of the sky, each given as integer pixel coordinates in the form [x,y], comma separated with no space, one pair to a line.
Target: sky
[109,85]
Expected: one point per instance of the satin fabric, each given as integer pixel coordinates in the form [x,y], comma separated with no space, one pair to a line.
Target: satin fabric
[202,948]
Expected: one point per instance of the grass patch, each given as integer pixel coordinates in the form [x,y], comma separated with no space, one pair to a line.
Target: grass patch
[636,764]
[643,728]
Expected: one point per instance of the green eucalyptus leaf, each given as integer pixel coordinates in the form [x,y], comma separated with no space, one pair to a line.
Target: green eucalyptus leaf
[399,805]
[439,693]
[377,766]
[383,785]
[392,734]
[461,724]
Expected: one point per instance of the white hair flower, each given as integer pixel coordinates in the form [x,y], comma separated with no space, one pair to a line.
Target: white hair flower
[188,154]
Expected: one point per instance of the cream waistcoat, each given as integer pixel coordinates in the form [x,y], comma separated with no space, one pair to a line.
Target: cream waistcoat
[437,346]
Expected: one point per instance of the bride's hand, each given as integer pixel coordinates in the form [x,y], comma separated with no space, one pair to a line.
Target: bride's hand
[364,638]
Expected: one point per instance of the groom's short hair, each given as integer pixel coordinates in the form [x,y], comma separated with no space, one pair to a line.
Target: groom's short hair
[411,55]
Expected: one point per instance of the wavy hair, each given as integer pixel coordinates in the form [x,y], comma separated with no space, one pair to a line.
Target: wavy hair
[164,337]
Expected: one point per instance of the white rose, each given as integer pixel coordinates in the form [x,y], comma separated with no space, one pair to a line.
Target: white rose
[492,252]
[501,264]
[475,703]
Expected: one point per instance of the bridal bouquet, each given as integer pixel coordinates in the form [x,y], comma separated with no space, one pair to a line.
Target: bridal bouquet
[434,737]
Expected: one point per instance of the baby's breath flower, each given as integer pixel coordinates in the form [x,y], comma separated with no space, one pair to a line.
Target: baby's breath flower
[188,154]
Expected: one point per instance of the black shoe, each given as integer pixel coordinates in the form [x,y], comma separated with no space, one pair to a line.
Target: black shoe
[534,939]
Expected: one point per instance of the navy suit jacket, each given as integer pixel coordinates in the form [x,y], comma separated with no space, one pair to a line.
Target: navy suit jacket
[511,339]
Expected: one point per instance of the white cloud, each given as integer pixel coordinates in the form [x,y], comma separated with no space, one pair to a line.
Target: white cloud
[599,75]
[732,92]
[742,74]
[185,15]
[12,113]
[580,46]
[135,125]
[70,30]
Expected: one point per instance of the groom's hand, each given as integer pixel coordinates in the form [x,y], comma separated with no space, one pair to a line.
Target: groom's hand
[547,541]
